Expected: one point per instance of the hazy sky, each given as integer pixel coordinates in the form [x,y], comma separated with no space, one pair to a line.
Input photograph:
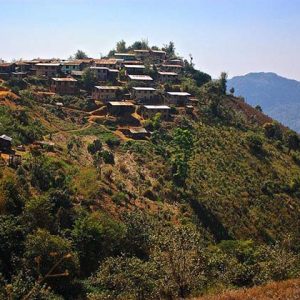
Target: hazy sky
[236,36]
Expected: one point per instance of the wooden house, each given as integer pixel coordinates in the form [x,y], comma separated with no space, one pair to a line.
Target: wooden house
[48,69]
[149,111]
[158,55]
[142,54]
[125,56]
[171,68]
[101,73]
[69,66]
[177,98]
[167,76]
[5,143]
[134,69]
[145,79]
[143,94]
[109,63]
[118,108]
[106,93]
[64,86]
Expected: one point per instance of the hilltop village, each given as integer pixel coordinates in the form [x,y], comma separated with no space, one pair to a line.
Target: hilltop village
[133,86]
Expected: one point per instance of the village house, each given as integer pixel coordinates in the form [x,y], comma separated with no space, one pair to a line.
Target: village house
[19,75]
[106,93]
[171,68]
[22,66]
[86,62]
[143,94]
[142,54]
[109,63]
[6,70]
[137,133]
[64,86]
[77,74]
[176,61]
[158,55]
[101,73]
[149,111]
[193,101]
[113,75]
[145,79]
[167,76]
[69,66]
[177,98]
[5,143]
[48,69]
[129,62]
[118,108]
[125,56]
[134,69]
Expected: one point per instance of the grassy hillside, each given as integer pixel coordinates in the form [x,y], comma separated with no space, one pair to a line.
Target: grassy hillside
[209,202]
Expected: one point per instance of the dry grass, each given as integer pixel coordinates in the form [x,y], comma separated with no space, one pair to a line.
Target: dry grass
[284,290]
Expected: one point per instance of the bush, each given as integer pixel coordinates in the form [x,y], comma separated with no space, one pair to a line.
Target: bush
[119,198]
[113,142]
[94,147]
[255,143]
[108,157]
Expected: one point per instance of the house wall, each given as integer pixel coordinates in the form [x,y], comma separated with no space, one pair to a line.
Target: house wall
[149,113]
[64,87]
[142,95]
[48,71]
[104,95]
[177,100]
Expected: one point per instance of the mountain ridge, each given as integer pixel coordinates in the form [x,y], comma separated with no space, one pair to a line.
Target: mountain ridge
[278,96]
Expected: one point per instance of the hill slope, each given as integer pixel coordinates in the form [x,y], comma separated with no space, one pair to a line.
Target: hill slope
[279,97]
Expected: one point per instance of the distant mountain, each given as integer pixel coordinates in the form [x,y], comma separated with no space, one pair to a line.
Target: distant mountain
[279,97]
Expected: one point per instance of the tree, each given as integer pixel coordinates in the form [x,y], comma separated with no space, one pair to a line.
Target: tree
[258,107]
[170,49]
[38,213]
[11,242]
[48,254]
[181,153]
[223,83]
[95,237]
[124,278]
[180,261]
[273,131]
[255,143]
[121,46]
[232,91]
[293,141]
[94,147]
[88,79]
[80,55]
[11,198]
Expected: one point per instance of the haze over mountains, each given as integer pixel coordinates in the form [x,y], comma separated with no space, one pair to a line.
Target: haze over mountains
[279,97]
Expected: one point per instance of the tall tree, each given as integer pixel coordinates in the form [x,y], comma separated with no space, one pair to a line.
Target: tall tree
[223,82]
[80,55]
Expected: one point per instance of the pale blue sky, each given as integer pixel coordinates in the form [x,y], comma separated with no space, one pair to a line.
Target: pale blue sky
[236,36]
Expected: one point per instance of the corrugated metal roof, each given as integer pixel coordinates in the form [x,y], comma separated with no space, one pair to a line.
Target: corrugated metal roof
[168,73]
[157,106]
[144,89]
[183,94]
[121,103]
[140,77]
[64,79]
[108,87]
[5,137]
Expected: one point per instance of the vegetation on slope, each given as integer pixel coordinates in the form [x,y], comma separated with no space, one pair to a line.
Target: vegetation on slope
[209,202]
